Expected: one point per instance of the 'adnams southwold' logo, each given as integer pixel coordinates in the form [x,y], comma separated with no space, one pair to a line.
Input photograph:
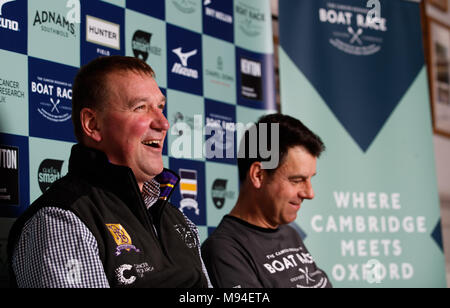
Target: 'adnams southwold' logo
[6,23]
[122,238]
[141,45]
[185,6]
[219,193]
[57,107]
[48,20]
[49,171]
[251,20]
[354,30]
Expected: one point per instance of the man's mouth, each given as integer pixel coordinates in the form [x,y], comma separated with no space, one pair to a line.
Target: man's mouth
[153,143]
[296,204]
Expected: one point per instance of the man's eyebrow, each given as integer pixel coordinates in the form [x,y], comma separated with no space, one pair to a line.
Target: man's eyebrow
[138,100]
[300,177]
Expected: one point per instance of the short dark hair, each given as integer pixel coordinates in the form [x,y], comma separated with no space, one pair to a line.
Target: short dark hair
[90,87]
[292,133]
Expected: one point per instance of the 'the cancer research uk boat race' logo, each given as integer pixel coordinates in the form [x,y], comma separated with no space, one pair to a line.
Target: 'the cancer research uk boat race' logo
[182,68]
[354,30]
[251,20]
[55,99]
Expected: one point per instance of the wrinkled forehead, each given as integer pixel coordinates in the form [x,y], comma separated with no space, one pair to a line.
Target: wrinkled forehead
[122,83]
[298,160]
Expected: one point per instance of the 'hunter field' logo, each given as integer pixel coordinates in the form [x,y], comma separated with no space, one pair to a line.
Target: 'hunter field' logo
[102,32]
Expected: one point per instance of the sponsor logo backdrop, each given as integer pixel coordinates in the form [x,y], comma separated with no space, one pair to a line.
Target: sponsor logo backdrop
[213,60]
[362,86]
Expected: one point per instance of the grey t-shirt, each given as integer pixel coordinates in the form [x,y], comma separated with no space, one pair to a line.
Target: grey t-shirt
[241,255]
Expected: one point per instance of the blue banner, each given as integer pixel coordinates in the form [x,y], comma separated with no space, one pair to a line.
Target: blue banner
[354,72]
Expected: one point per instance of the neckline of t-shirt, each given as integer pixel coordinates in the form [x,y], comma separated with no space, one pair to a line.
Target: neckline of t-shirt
[249,225]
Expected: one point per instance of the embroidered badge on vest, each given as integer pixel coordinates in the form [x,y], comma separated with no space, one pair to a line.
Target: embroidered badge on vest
[122,238]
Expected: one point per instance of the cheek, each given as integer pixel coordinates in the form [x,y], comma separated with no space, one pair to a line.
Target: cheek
[130,128]
[280,194]
[289,193]
[138,128]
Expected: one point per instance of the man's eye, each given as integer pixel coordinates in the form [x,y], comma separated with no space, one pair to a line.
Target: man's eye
[298,181]
[140,107]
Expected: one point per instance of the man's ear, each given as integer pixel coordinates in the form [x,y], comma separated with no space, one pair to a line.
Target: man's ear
[256,175]
[89,124]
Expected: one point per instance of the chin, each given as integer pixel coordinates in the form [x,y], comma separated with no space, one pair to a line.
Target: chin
[158,171]
[291,219]
[154,171]
[148,174]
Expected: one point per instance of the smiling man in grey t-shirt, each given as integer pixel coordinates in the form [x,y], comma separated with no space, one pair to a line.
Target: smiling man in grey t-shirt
[253,246]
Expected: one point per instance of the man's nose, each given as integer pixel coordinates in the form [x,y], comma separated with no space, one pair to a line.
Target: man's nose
[307,192]
[160,122]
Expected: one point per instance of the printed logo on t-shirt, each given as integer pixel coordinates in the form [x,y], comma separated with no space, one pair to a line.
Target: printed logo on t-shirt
[298,262]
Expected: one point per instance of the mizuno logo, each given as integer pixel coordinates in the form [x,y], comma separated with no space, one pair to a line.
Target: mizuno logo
[3,2]
[184,56]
